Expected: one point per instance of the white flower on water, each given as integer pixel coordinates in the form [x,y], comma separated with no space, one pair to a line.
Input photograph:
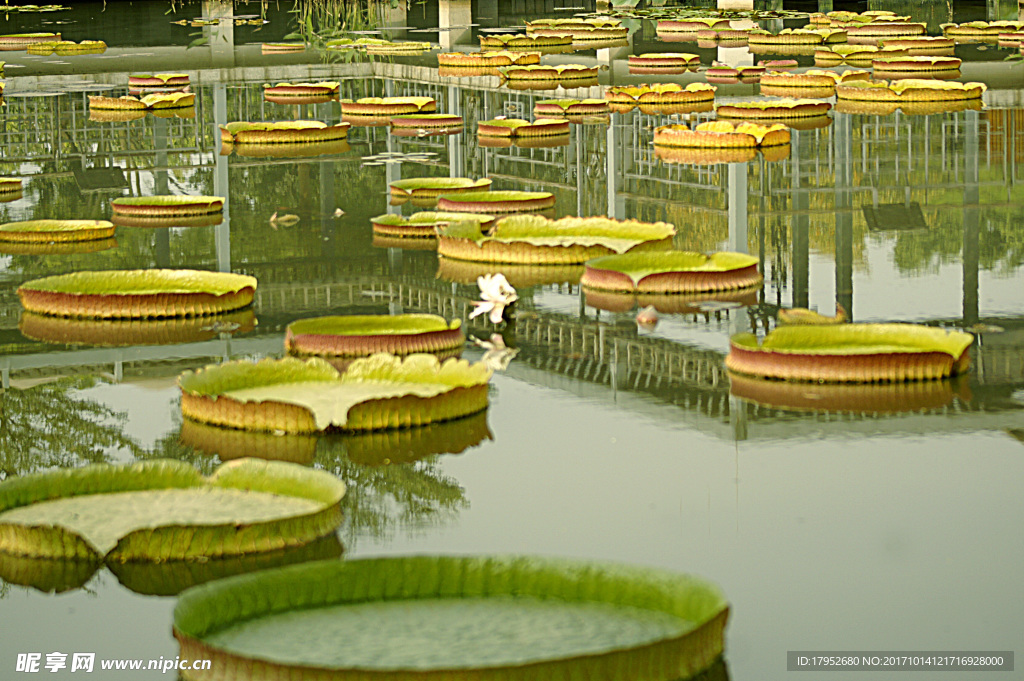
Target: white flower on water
[495,295]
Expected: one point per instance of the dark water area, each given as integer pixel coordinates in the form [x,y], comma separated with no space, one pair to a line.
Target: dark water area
[834,518]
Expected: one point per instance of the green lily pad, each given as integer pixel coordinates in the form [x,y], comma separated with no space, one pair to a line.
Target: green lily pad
[163,509]
[52,231]
[485,617]
[708,272]
[377,392]
[535,239]
[137,293]
[852,353]
[434,186]
[167,205]
[362,335]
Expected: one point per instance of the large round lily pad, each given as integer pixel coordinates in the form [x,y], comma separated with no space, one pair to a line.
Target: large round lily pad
[56,231]
[281,132]
[852,353]
[532,239]
[483,618]
[672,272]
[496,202]
[165,510]
[166,205]
[362,335]
[432,187]
[378,392]
[138,293]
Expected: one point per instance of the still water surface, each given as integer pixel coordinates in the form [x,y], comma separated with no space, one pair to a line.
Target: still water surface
[894,525]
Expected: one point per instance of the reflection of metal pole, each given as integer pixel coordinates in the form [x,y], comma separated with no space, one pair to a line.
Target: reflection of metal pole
[842,138]
[738,237]
[456,153]
[801,228]
[971,220]
[738,418]
[161,237]
[222,235]
[615,159]
[393,173]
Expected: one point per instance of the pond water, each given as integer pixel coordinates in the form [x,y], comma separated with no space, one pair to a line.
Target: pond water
[874,519]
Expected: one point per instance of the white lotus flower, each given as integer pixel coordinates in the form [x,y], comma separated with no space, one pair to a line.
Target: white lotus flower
[495,295]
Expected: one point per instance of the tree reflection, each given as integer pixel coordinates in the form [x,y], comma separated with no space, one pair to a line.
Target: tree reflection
[383,498]
[394,478]
[49,425]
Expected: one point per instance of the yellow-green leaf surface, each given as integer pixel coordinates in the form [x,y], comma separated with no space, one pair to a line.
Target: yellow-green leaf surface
[369,325]
[507,616]
[166,200]
[425,218]
[772,104]
[540,231]
[859,339]
[240,126]
[639,265]
[143,282]
[161,76]
[413,183]
[54,225]
[161,509]
[317,387]
[499,196]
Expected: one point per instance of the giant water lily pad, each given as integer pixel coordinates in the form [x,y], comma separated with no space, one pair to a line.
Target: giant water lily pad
[56,231]
[138,293]
[672,272]
[166,205]
[10,185]
[773,109]
[485,618]
[532,239]
[422,225]
[378,392]
[163,510]
[281,132]
[852,353]
[496,202]
[362,335]
[910,90]
[432,187]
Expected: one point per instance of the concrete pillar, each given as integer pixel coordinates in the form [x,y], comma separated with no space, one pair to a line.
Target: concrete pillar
[222,235]
[458,14]
[222,34]
[971,254]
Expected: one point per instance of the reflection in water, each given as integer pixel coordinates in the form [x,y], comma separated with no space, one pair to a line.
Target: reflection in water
[51,425]
[167,578]
[393,477]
